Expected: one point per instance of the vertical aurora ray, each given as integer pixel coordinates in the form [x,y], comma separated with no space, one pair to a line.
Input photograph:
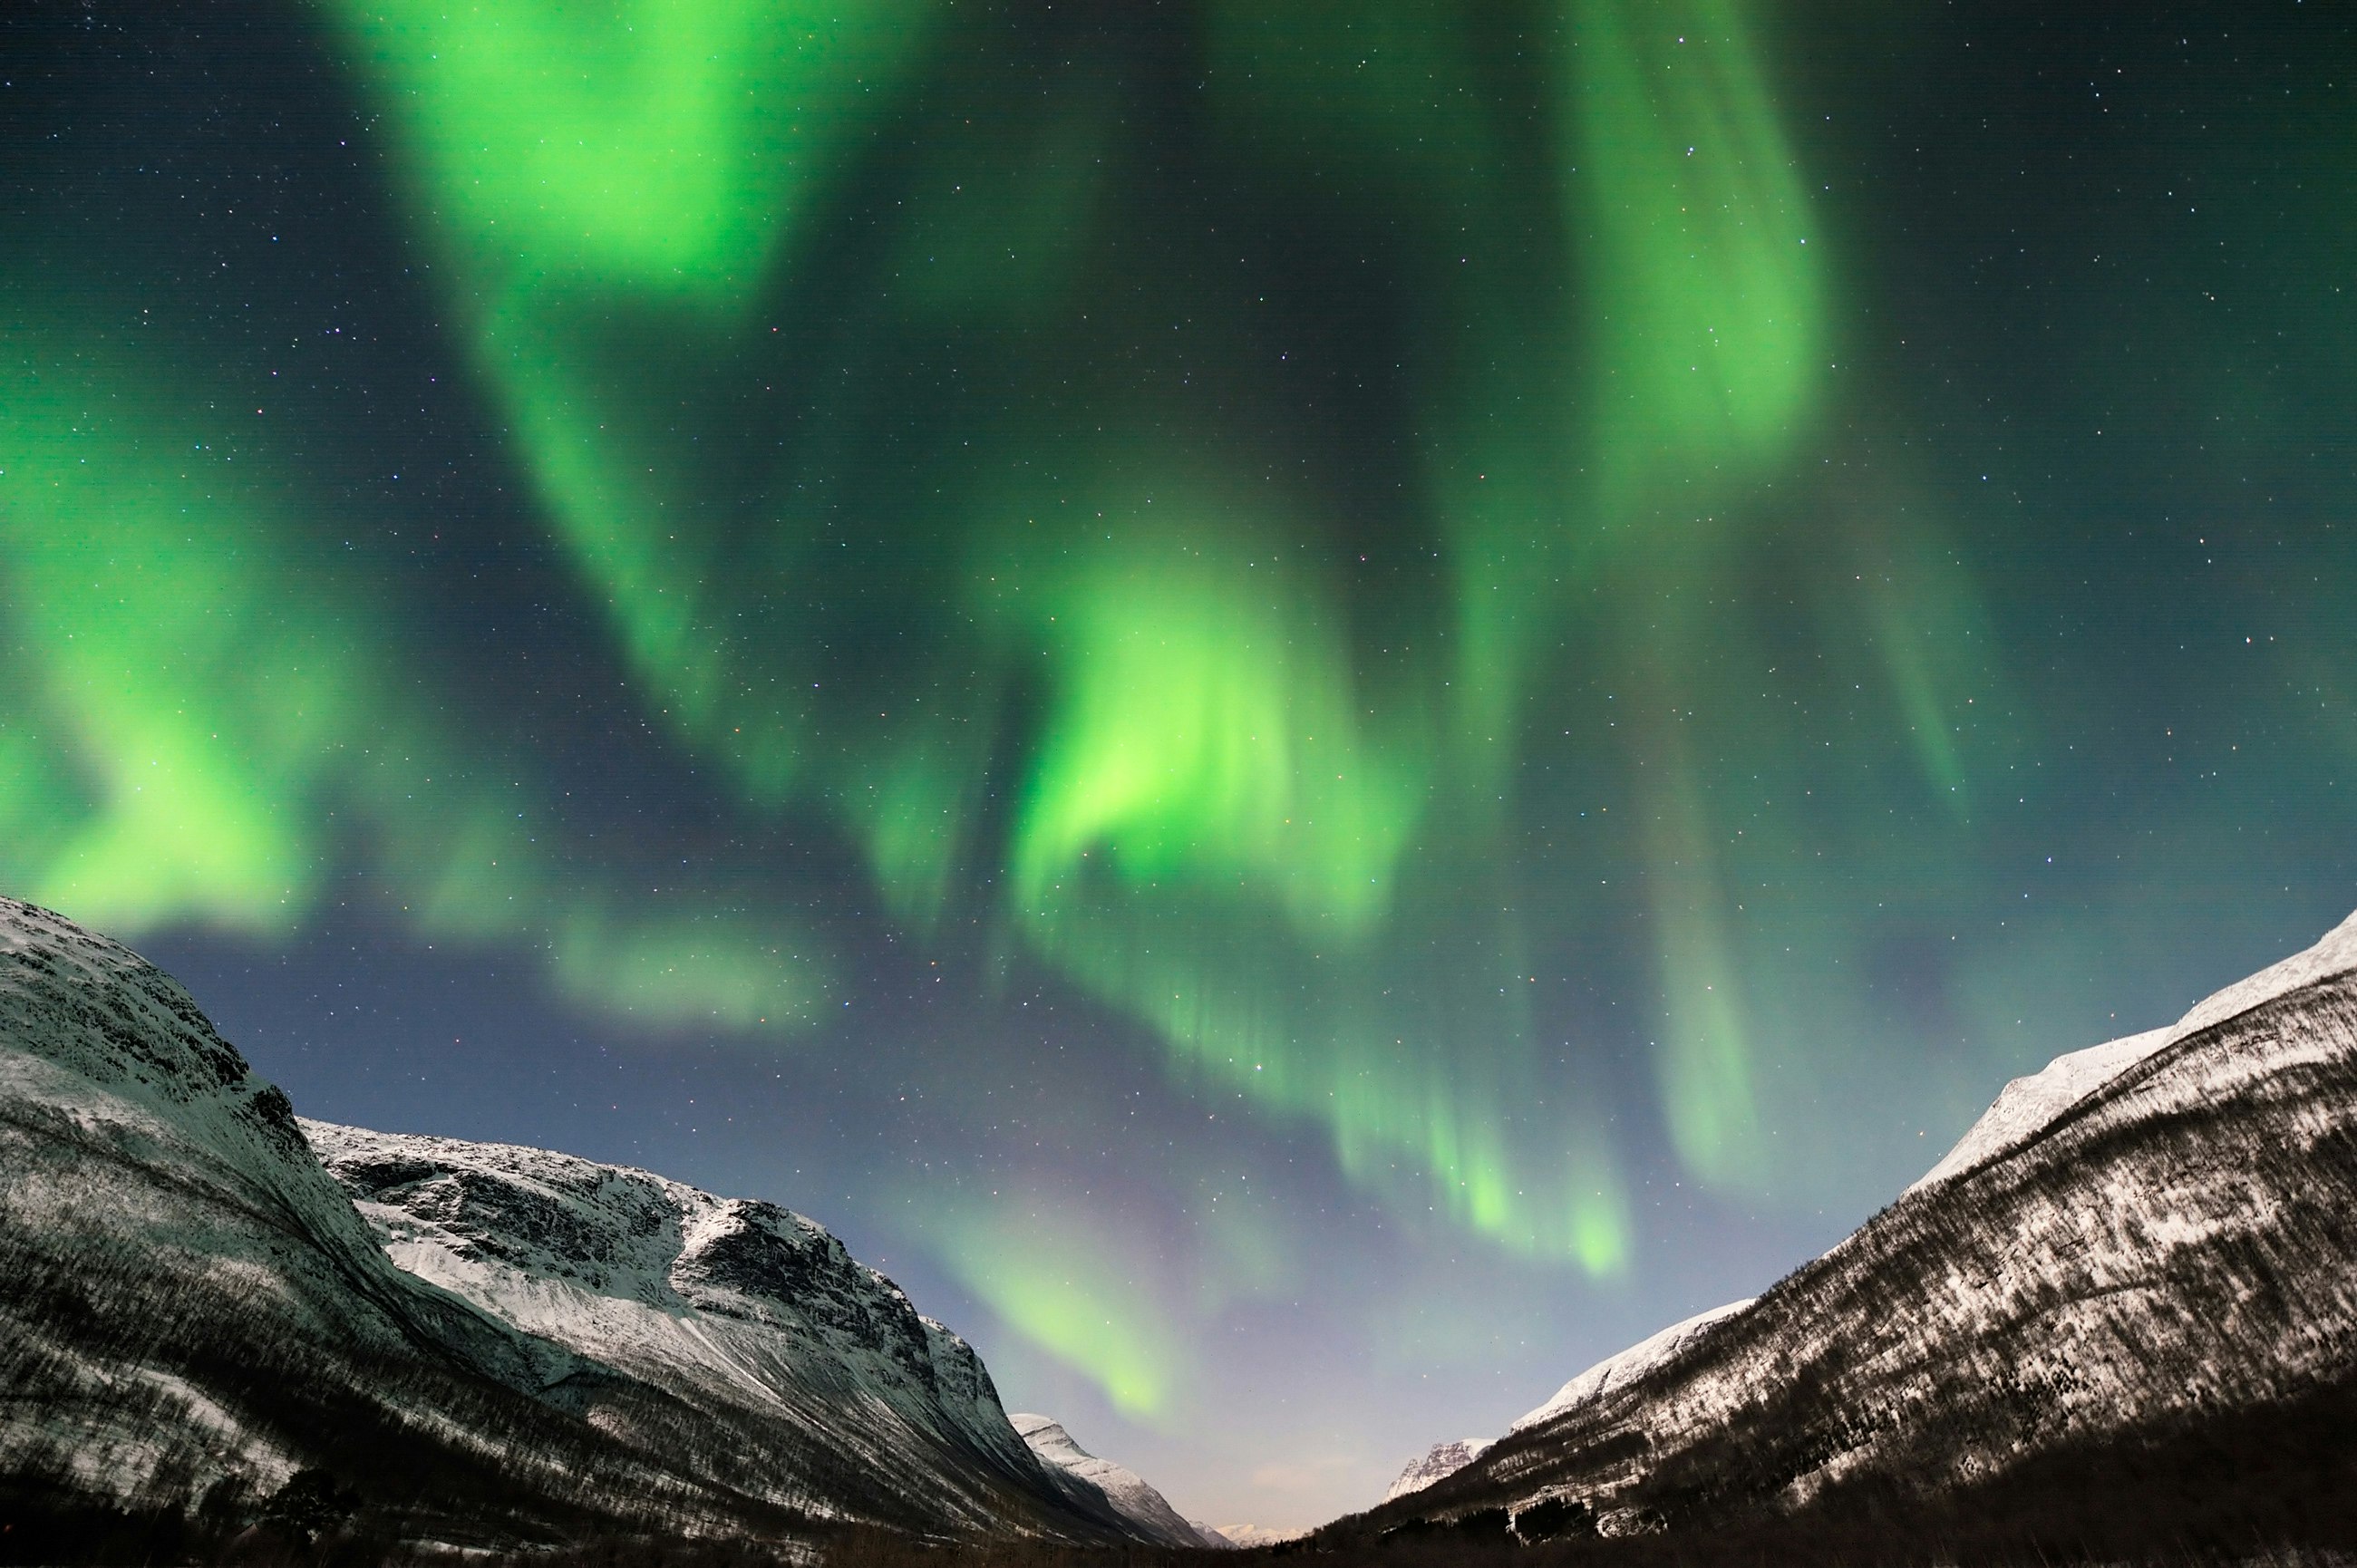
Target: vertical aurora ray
[1705,322]
[1706,1057]
[1078,1283]
[1705,306]
[1933,641]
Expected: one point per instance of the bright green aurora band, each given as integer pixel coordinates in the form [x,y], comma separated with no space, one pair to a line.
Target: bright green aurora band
[948,479]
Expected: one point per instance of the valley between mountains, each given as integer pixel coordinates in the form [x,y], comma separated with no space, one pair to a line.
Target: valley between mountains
[2117,1323]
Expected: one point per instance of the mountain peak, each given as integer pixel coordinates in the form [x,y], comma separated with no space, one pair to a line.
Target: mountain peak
[1127,1491]
[1442,1460]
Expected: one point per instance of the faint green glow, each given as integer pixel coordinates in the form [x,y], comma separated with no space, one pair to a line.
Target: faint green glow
[470,863]
[1599,1228]
[995,227]
[1935,646]
[914,816]
[1914,677]
[1246,1254]
[1384,99]
[700,970]
[1061,1277]
[1704,1059]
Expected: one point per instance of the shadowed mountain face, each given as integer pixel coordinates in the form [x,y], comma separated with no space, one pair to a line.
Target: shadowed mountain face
[196,1313]
[2146,1281]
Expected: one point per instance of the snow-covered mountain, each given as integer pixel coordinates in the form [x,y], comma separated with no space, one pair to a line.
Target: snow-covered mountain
[2130,1280]
[196,1310]
[1252,1536]
[1441,1459]
[1624,1367]
[2030,1104]
[193,1308]
[1445,1459]
[1139,1503]
[824,1384]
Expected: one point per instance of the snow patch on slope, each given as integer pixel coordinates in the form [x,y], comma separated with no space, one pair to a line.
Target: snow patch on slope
[1629,1365]
[2033,1101]
[193,1295]
[2154,1235]
[2030,1104]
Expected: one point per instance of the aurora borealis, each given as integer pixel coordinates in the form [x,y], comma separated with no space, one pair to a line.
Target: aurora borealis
[1314,709]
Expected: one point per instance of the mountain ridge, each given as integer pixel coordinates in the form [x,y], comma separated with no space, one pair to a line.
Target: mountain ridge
[199,1316]
[2148,1246]
[745,1310]
[1438,1462]
[1128,1492]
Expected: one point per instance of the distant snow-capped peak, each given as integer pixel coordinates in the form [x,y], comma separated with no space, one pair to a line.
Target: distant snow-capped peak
[1125,1488]
[1441,1459]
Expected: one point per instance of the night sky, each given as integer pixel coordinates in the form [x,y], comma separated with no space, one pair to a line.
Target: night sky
[1313,709]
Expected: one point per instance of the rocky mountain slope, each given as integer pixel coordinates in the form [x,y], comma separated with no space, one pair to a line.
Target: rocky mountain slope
[2129,1286]
[197,1312]
[1145,1508]
[807,1367]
